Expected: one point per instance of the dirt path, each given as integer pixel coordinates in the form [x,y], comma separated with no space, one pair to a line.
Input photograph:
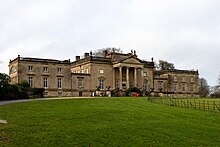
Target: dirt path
[41,99]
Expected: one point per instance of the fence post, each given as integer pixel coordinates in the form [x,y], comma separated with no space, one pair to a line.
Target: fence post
[214,105]
[187,103]
[195,104]
[204,104]
[199,104]
[219,106]
[208,104]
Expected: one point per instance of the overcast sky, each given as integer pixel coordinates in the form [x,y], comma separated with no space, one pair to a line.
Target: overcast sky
[184,32]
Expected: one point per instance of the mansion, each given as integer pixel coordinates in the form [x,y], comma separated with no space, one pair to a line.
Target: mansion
[85,76]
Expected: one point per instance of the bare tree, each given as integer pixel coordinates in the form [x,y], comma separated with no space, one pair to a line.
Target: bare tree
[101,52]
[204,88]
[215,90]
[218,80]
[164,65]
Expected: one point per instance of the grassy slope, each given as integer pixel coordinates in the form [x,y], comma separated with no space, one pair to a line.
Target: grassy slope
[106,122]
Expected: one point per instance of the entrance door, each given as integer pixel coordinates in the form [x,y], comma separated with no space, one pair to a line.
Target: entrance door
[80,93]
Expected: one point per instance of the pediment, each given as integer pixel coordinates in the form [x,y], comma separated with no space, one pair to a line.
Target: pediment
[131,60]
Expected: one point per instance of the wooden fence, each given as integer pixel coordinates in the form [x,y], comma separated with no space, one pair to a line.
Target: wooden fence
[200,104]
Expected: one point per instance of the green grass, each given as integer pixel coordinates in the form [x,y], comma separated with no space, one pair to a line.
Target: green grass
[106,122]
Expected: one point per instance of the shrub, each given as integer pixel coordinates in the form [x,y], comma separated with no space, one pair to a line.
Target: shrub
[133,89]
[38,92]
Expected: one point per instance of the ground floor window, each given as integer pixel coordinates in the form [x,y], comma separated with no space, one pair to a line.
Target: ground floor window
[80,93]
[101,84]
[183,87]
[59,93]
[30,81]
[124,84]
[45,82]
[174,87]
[144,86]
[116,84]
[80,83]
[131,83]
[45,93]
[191,88]
[59,83]
[160,86]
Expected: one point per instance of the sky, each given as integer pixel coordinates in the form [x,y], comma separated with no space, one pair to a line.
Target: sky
[183,32]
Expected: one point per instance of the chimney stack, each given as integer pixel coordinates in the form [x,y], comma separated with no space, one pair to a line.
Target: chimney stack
[105,52]
[86,55]
[77,58]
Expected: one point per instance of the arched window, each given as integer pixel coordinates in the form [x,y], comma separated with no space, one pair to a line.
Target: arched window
[102,83]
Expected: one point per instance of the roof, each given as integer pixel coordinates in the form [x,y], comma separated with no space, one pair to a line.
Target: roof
[178,71]
[41,60]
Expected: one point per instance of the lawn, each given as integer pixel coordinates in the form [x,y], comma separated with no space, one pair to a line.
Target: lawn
[106,122]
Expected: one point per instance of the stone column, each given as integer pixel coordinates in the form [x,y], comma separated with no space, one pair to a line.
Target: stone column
[113,78]
[127,78]
[135,77]
[142,77]
[120,78]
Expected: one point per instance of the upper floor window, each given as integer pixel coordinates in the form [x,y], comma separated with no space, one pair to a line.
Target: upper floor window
[45,69]
[59,70]
[87,70]
[82,71]
[101,71]
[13,69]
[80,83]
[184,78]
[30,68]
[191,79]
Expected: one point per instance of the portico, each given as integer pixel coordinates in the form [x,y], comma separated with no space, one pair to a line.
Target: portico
[127,75]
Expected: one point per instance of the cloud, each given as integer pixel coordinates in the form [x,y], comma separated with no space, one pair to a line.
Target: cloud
[184,32]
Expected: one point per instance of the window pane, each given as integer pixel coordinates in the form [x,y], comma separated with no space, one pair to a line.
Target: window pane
[45,82]
[30,68]
[30,81]
[101,71]
[101,82]
[80,82]
[59,83]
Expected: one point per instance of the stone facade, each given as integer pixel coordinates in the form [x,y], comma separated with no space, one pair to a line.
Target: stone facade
[85,76]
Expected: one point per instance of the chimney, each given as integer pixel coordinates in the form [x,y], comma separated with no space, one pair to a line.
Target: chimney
[77,58]
[86,55]
[105,52]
